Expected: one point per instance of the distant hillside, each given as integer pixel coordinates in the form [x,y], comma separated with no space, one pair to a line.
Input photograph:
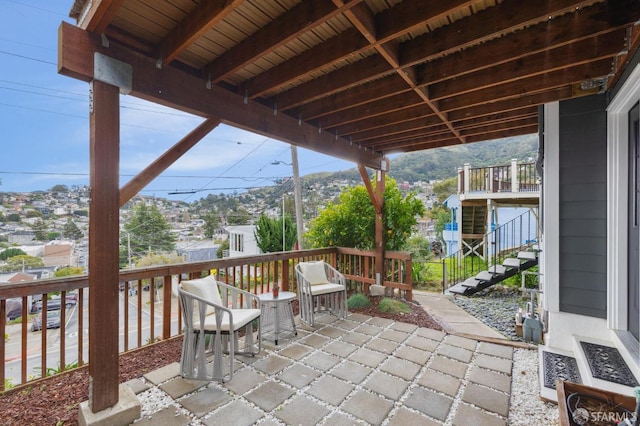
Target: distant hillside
[442,163]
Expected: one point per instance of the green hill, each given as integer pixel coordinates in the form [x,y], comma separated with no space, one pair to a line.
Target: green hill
[443,163]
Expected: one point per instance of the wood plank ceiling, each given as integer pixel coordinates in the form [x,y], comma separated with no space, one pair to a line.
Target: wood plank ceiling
[385,75]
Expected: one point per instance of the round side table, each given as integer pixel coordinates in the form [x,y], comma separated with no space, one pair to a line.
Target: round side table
[277,315]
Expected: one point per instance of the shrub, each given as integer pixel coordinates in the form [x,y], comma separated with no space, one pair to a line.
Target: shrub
[358,300]
[393,306]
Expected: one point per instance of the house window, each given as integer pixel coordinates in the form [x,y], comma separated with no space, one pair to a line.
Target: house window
[237,242]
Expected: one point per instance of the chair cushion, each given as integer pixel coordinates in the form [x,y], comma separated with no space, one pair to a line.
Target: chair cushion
[241,317]
[314,272]
[207,288]
[326,288]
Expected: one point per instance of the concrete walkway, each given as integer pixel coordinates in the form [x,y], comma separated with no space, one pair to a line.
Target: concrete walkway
[359,370]
[453,318]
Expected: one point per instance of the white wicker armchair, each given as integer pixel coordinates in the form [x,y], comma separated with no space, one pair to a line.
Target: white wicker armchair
[213,314]
[321,288]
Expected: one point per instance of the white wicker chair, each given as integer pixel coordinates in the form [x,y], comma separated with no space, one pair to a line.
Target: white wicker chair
[321,288]
[214,313]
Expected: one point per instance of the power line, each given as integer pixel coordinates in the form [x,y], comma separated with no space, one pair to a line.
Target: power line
[159,176]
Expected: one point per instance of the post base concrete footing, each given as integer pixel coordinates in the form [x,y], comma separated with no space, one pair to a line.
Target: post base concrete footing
[126,410]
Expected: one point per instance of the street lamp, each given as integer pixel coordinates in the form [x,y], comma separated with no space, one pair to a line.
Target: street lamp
[276,162]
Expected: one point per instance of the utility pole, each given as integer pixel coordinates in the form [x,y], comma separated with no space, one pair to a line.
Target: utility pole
[297,195]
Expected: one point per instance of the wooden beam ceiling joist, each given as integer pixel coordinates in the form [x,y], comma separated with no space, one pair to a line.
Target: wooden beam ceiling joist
[177,89]
[196,24]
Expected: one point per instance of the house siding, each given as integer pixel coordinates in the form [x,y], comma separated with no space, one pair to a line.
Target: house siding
[583,201]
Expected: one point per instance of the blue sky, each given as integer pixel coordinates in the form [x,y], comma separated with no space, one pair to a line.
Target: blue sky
[45,125]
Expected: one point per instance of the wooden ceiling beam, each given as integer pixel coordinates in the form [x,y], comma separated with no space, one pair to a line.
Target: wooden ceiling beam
[322,55]
[389,51]
[607,45]
[436,140]
[438,130]
[404,17]
[507,125]
[547,35]
[529,100]
[370,68]
[507,133]
[413,15]
[411,128]
[206,15]
[420,145]
[300,19]
[580,53]
[493,22]
[366,93]
[383,106]
[175,88]
[531,85]
[561,31]
[393,128]
[527,112]
[417,112]
[99,15]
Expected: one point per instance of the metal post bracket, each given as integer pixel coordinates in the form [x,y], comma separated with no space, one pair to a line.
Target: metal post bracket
[112,71]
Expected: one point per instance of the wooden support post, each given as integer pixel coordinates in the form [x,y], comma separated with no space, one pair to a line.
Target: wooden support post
[103,246]
[380,234]
[377,199]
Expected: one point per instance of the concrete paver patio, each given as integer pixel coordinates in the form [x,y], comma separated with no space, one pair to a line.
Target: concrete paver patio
[359,370]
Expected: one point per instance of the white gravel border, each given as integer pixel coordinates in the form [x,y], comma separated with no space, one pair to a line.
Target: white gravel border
[526,407]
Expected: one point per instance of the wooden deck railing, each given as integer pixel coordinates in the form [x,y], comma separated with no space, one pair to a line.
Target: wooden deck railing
[149,310]
[515,178]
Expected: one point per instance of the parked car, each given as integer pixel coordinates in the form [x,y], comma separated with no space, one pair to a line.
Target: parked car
[14,308]
[52,305]
[53,320]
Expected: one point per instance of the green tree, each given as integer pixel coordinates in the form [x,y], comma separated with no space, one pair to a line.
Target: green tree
[158,259]
[445,188]
[10,252]
[68,271]
[71,231]
[224,246]
[238,216]
[59,188]
[16,263]
[211,223]
[268,234]
[419,246]
[40,228]
[148,231]
[13,217]
[351,221]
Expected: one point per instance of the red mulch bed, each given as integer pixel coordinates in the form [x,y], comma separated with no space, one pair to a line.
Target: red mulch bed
[55,400]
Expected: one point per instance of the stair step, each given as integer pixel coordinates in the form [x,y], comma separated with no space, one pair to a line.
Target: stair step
[457,289]
[484,276]
[511,262]
[527,255]
[498,269]
[470,283]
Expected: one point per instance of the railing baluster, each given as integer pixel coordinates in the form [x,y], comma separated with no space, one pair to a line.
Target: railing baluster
[139,297]
[63,322]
